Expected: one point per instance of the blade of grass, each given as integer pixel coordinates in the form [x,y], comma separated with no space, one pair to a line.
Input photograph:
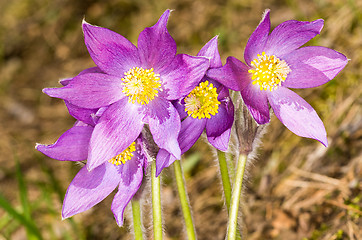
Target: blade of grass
[24,199]
[19,217]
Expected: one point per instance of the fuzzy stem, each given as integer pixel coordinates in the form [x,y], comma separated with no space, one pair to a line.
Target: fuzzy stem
[185,205]
[235,199]
[136,212]
[156,203]
[225,177]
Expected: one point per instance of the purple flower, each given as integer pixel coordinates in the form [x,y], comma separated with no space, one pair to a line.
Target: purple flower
[88,188]
[135,86]
[274,63]
[208,106]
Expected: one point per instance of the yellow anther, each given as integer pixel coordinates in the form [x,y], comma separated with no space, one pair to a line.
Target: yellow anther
[202,101]
[141,85]
[268,71]
[124,156]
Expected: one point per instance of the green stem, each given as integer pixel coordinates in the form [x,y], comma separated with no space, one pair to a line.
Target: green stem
[156,203]
[235,200]
[185,205]
[137,225]
[225,177]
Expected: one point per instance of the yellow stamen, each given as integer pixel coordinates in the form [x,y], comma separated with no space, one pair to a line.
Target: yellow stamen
[202,101]
[269,71]
[141,85]
[124,156]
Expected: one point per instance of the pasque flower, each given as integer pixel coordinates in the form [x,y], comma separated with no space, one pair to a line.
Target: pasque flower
[88,188]
[276,62]
[135,85]
[126,170]
[207,107]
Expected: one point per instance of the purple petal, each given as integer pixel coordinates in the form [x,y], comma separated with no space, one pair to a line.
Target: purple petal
[291,35]
[182,75]
[257,103]
[91,70]
[222,120]
[131,179]
[234,74]
[191,129]
[91,90]
[156,47]
[221,142]
[297,115]
[223,92]
[111,52]
[164,122]
[211,51]
[116,129]
[66,81]
[81,114]
[180,109]
[258,39]
[313,66]
[71,146]
[89,188]
[164,159]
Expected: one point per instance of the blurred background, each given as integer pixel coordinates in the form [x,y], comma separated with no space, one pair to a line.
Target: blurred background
[296,188]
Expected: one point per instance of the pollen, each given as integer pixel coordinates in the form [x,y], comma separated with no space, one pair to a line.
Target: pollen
[141,85]
[202,101]
[124,156]
[269,72]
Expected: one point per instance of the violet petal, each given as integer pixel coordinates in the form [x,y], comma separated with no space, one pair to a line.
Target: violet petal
[191,130]
[234,74]
[89,188]
[297,115]
[91,90]
[291,35]
[257,39]
[66,81]
[131,179]
[156,47]
[221,142]
[257,103]
[222,120]
[211,51]
[116,129]
[111,52]
[313,66]
[180,109]
[164,122]
[163,159]
[81,114]
[182,75]
[71,146]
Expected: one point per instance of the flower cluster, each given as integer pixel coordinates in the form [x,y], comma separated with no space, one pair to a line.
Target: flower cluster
[175,97]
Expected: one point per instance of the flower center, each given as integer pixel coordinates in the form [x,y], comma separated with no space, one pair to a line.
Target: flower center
[124,156]
[269,71]
[202,101]
[141,85]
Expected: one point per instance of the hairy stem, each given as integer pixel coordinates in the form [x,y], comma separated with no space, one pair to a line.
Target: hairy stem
[225,177]
[137,225]
[185,205]
[235,199]
[156,203]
